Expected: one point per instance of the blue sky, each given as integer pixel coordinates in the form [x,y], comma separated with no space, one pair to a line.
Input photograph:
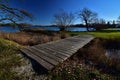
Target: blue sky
[44,10]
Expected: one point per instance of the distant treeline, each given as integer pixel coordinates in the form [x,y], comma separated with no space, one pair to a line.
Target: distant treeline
[95,26]
[103,26]
[98,26]
[16,25]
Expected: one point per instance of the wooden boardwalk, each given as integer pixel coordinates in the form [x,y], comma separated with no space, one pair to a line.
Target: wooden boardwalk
[52,53]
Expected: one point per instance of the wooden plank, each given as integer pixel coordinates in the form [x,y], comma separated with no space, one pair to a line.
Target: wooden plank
[71,42]
[42,62]
[65,52]
[58,48]
[42,56]
[43,51]
[56,53]
[53,53]
[75,40]
[63,47]
[66,44]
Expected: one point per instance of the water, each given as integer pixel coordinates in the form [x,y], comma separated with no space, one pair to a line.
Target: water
[8,29]
[76,29]
[54,28]
[113,53]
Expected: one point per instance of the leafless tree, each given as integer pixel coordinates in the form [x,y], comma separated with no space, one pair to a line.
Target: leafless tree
[99,21]
[12,14]
[63,19]
[87,16]
[118,20]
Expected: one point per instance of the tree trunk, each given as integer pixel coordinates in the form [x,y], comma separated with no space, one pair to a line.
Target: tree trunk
[87,26]
[62,28]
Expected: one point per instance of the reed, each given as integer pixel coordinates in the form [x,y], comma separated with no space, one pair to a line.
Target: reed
[30,38]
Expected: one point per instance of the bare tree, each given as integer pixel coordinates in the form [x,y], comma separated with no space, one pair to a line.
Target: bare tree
[12,14]
[102,21]
[87,16]
[118,20]
[99,21]
[63,20]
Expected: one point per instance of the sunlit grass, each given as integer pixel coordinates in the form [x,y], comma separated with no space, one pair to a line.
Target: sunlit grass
[113,29]
[105,35]
[8,59]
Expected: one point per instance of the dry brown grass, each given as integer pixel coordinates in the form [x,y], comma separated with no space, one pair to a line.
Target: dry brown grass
[32,38]
[89,63]
[95,52]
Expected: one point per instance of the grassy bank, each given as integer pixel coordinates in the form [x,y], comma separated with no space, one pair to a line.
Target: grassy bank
[102,34]
[9,59]
[13,64]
